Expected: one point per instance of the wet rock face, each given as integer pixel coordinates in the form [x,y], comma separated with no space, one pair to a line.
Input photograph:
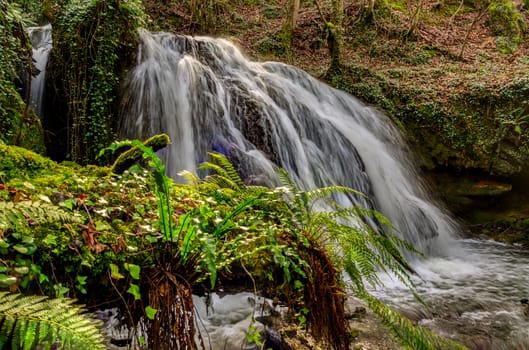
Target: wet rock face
[491,207]
[463,192]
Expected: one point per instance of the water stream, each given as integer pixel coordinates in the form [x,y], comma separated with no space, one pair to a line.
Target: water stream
[41,42]
[208,97]
[473,295]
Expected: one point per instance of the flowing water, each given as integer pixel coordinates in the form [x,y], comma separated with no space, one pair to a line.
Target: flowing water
[208,97]
[41,42]
[473,295]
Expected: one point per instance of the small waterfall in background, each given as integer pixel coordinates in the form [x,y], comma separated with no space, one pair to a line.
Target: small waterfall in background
[208,97]
[41,42]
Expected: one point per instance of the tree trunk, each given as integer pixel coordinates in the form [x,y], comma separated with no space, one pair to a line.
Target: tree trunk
[291,18]
[334,35]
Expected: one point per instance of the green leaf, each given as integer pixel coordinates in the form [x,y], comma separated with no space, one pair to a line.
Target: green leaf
[114,272]
[4,243]
[50,239]
[22,270]
[7,280]
[134,270]
[102,226]
[135,291]
[150,312]
[22,249]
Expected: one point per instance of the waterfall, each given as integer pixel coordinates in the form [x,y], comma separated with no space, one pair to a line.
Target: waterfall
[41,42]
[208,97]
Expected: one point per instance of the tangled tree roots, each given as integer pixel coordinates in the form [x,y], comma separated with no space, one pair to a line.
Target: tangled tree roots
[325,300]
[173,326]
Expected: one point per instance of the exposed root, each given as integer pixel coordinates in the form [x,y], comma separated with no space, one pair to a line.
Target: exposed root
[173,326]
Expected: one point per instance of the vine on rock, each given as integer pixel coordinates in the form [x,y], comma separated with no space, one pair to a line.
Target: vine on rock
[92,37]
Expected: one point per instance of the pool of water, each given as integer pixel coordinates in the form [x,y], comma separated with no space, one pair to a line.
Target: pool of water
[474,295]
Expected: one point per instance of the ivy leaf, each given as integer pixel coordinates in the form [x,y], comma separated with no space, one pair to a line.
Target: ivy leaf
[134,290]
[23,249]
[6,280]
[134,270]
[3,243]
[115,272]
[23,270]
[150,312]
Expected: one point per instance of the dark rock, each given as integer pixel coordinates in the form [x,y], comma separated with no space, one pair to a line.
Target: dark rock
[273,340]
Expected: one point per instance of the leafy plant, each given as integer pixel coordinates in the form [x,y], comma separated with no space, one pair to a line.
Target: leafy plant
[360,242]
[30,321]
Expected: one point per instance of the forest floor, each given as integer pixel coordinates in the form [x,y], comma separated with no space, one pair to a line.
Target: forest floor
[451,48]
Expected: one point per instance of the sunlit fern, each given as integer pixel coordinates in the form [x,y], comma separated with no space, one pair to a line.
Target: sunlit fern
[362,243]
[224,174]
[30,321]
[360,240]
[25,213]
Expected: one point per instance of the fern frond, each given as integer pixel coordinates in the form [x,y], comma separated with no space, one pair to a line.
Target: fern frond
[24,213]
[329,191]
[191,178]
[29,321]
[226,173]
[410,335]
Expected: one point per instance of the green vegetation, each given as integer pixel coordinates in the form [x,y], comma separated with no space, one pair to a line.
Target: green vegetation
[75,231]
[30,321]
[148,243]
[88,61]
[18,124]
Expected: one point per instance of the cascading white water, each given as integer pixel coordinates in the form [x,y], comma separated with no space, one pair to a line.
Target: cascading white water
[41,42]
[208,97]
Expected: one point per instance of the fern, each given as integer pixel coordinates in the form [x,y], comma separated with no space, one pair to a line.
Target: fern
[363,244]
[225,173]
[410,335]
[25,213]
[30,321]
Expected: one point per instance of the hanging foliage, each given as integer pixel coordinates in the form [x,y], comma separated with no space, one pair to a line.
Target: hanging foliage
[18,124]
[94,41]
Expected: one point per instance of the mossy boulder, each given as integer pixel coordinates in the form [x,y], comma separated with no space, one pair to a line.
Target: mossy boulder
[18,162]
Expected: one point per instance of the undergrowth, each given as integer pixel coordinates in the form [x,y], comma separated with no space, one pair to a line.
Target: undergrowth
[146,243]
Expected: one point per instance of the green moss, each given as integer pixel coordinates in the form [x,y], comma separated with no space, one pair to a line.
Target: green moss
[17,162]
[507,23]
[482,127]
